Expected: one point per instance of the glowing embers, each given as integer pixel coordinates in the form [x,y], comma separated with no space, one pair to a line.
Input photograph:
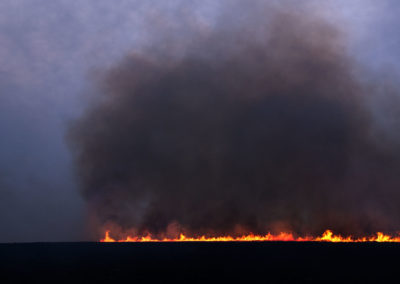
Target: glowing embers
[327,236]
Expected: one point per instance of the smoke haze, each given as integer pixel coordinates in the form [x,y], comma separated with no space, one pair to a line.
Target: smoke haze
[260,122]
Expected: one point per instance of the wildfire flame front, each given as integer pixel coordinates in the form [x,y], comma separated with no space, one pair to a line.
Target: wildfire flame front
[327,236]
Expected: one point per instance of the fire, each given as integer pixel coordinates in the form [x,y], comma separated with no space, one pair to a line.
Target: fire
[327,236]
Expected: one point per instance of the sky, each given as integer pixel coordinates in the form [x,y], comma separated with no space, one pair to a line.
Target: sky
[50,53]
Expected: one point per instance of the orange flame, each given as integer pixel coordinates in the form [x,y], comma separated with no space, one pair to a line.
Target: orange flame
[327,236]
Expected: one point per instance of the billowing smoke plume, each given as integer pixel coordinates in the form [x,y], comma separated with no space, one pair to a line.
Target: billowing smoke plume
[254,127]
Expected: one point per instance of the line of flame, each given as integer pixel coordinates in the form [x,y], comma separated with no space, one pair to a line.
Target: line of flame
[327,236]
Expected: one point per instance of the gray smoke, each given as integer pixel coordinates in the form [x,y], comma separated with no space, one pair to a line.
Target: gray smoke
[263,124]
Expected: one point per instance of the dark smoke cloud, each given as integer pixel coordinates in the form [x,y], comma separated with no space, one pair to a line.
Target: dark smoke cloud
[254,127]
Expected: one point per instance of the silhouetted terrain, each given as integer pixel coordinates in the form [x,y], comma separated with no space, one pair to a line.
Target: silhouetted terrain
[274,262]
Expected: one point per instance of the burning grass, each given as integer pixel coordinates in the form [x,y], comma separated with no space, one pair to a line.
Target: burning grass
[327,236]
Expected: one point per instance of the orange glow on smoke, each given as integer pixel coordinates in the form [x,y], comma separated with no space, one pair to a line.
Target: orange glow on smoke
[327,236]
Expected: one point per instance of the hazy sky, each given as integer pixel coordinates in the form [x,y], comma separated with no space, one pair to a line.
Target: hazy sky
[49,53]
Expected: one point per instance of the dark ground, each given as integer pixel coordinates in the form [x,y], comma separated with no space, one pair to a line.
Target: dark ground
[259,262]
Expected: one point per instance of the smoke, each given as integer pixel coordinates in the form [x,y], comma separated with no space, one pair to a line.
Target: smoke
[259,122]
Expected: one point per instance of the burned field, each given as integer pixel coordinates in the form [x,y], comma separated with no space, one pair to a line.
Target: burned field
[261,262]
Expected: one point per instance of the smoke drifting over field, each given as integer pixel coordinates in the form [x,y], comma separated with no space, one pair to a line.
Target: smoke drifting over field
[262,125]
